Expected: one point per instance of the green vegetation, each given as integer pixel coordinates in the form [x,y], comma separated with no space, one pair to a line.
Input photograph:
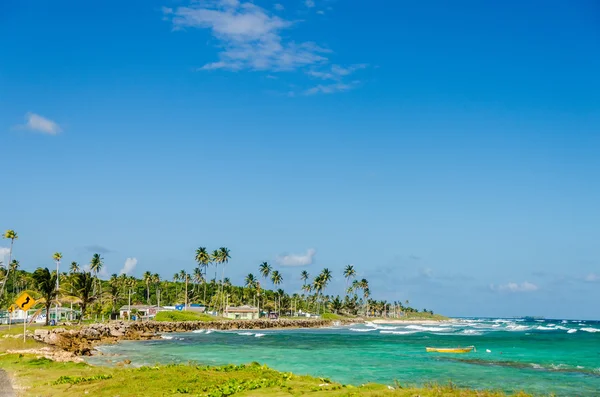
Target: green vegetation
[184,316]
[42,377]
[96,298]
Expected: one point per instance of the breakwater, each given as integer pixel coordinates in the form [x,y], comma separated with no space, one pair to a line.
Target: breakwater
[81,340]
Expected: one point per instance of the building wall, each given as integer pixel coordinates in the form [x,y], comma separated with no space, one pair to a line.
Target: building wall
[242,316]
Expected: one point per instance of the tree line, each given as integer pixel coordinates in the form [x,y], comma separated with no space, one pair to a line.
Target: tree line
[82,288]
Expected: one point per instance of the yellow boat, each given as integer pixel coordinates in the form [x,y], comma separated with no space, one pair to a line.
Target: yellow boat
[467,349]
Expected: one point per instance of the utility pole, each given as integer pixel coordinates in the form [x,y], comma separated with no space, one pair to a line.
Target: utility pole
[186,295]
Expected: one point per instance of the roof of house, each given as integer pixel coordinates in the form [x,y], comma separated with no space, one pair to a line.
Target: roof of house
[242,309]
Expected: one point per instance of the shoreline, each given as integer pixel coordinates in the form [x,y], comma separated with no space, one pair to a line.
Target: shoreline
[62,344]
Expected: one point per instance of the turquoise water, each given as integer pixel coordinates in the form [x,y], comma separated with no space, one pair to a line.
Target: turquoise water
[540,357]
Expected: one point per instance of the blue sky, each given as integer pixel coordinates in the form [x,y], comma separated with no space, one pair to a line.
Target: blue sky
[449,152]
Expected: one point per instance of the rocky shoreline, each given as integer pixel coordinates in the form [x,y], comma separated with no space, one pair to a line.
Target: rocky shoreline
[82,341]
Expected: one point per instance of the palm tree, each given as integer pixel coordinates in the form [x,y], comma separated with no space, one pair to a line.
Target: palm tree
[277,279]
[203,260]
[12,236]
[215,258]
[147,277]
[156,281]
[95,266]
[223,258]
[265,270]
[45,283]
[57,257]
[83,284]
[304,276]
[74,268]
[176,281]
[197,277]
[250,282]
[14,266]
[115,290]
[349,273]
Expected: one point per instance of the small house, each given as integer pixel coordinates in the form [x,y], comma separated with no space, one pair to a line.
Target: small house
[244,312]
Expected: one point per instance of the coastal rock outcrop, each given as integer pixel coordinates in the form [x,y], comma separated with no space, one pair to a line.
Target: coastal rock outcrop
[81,341]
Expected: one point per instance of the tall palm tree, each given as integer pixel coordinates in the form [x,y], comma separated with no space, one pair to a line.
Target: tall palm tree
[203,260]
[147,277]
[95,266]
[74,268]
[12,236]
[224,259]
[83,284]
[215,258]
[349,273]
[45,283]
[250,283]
[57,257]
[277,279]
[265,270]
[176,281]
[197,276]
[304,276]
[156,281]
[14,267]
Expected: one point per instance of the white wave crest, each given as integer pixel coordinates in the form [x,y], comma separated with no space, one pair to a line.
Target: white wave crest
[363,329]
[398,332]
[245,333]
[590,329]
[515,327]
[429,329]
[471,332]
[166,337]
[198,331]
[571,331]
[259,335]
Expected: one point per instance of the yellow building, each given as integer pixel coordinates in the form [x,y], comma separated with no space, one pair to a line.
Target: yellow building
[242,312]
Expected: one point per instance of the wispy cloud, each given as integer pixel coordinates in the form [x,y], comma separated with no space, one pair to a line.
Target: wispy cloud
[249,35]
[331,88]
[297,259]
[4,251]
[515,287]
[97,249]
[129,266]
[336,72]
[309,3]
[37,123]
[278,7]
[592,278]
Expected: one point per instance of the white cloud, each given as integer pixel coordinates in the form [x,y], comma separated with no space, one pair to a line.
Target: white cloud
[278,7]
[321,12]
[249,35]
[129,266]
[592,277]
[4,251]
[309,3]
[515,287]
[331,88]
[38,123]
[336,72]
[297,259]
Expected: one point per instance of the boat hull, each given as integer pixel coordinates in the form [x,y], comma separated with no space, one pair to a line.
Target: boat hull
[456,350]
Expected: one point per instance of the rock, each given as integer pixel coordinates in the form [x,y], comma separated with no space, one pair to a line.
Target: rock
[127,361]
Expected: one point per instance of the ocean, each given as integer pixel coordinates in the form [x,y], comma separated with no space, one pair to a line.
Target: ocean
[536,356]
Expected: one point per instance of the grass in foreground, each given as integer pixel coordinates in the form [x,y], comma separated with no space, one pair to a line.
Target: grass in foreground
[185,316]
[42,377]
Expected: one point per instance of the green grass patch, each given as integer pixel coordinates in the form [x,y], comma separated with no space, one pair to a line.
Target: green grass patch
[42,377]
[331,316]
[184,316]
